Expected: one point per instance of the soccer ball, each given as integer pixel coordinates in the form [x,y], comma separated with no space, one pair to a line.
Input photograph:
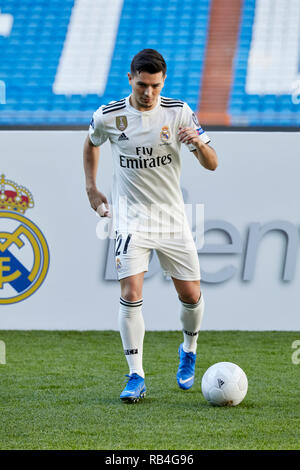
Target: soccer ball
[224,384]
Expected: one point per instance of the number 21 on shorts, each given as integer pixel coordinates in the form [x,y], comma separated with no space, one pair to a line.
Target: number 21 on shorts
[120,245]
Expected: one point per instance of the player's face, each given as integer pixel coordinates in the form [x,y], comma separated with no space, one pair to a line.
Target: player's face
[146,88]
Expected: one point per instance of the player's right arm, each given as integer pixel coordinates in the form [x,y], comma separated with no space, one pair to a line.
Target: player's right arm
[91,154]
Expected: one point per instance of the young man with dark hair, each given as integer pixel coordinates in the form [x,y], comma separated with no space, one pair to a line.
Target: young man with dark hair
[146,131]
[149,61]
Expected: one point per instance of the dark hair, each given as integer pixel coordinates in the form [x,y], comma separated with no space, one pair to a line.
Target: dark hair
[148,60]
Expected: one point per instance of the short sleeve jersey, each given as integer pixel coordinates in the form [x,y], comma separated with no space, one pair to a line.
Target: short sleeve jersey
[146,193]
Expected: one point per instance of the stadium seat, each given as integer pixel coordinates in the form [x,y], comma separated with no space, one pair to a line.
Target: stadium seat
[31,58]
[270,108]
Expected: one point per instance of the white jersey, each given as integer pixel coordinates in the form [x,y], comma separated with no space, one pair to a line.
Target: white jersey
[146,194]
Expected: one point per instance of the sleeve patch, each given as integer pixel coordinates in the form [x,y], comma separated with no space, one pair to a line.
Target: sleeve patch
[195,120]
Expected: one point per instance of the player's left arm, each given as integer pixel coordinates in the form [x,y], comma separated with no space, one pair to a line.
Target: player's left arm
[204,153]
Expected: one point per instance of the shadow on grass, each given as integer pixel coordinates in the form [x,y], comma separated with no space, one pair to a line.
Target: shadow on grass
[116,401]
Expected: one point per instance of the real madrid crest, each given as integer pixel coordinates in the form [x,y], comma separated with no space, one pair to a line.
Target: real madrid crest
[24,253]
[121,123]
[118,263]
[165,134]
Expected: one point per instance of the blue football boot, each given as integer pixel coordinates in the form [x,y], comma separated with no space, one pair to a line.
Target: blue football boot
[134,390]
[186,370]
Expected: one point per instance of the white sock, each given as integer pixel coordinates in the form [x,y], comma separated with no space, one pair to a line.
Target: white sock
[191,318]
[132,331]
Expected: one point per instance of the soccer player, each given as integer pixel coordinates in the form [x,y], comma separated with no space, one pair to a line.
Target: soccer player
[146,131]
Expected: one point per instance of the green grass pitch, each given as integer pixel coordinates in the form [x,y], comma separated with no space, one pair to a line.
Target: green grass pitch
[60,390]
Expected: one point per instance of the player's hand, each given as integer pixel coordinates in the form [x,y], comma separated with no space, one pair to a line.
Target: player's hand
[188,135]
[98,202]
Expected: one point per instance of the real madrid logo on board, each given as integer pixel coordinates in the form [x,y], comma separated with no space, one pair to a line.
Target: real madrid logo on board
[24,253]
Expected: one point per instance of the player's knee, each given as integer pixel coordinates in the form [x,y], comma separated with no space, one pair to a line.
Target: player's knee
[131,295]
[190,297]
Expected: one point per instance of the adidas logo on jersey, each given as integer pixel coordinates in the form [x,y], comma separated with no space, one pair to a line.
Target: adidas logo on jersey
[123,136]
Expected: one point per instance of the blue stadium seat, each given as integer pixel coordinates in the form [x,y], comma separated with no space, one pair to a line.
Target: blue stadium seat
[266,109]
[32,53]
[30,58]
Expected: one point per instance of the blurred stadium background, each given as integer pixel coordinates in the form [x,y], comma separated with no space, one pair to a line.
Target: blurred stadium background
[236,62]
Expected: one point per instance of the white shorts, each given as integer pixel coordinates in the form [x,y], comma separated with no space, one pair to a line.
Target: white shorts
[178,257]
